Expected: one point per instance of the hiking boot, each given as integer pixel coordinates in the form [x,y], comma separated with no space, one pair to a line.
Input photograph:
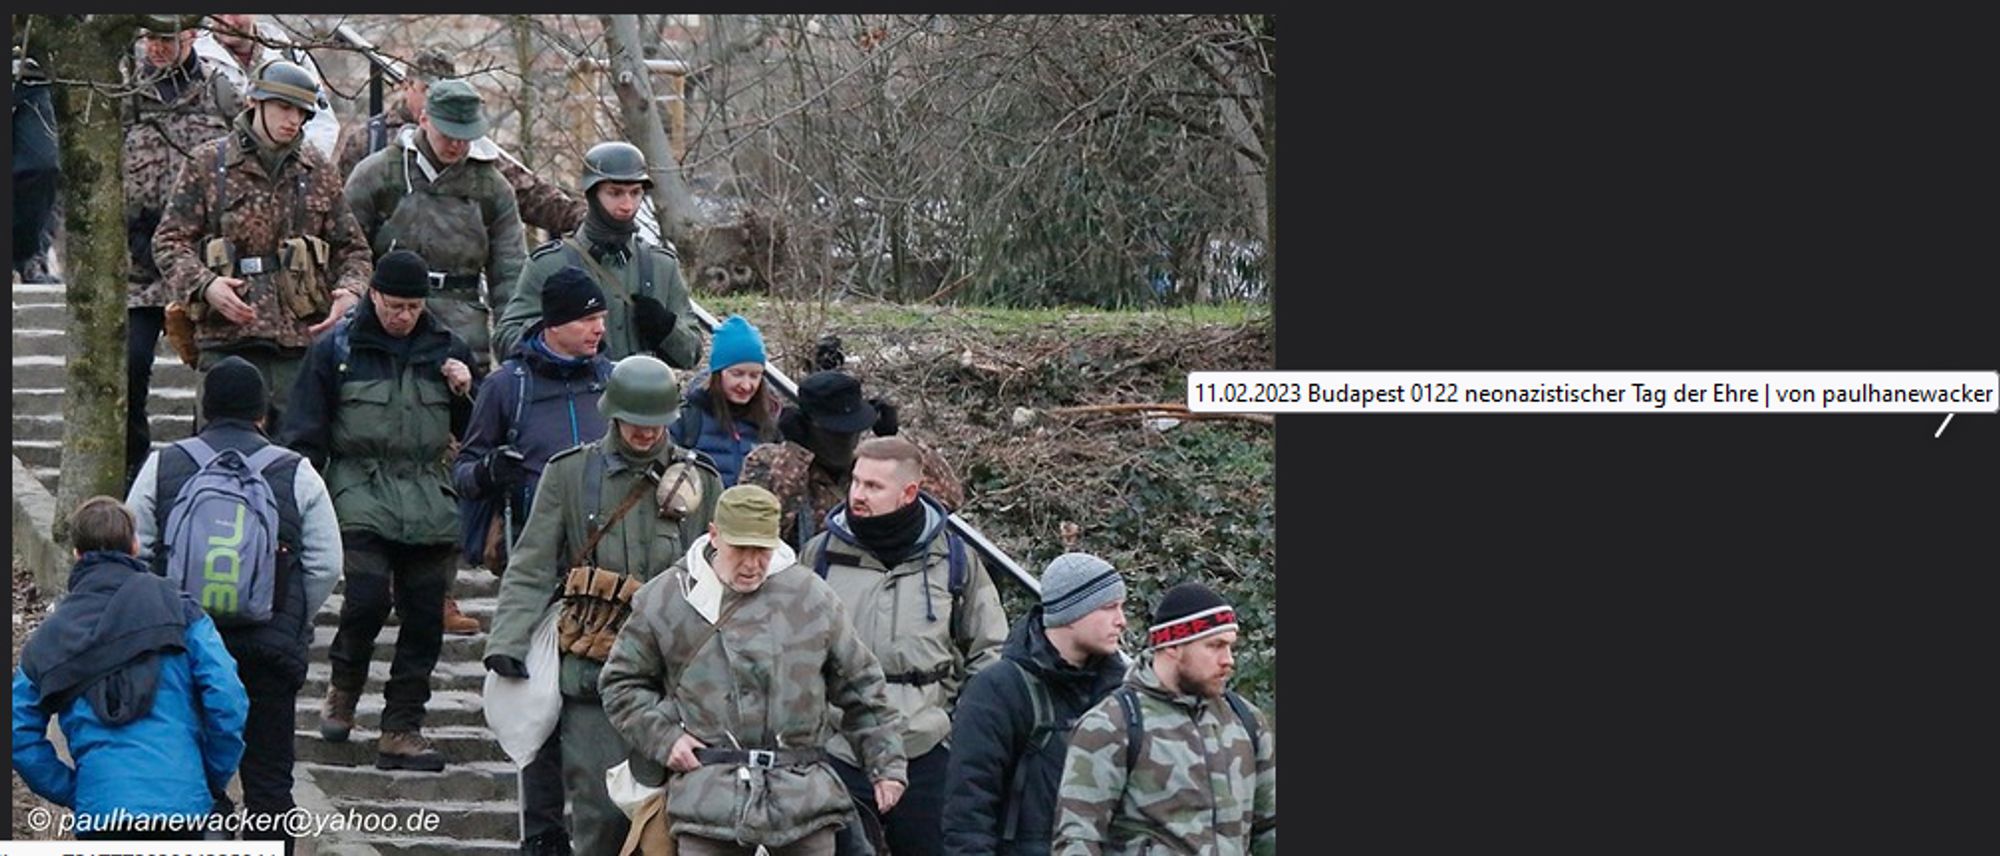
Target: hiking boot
[458,623]
[554,843]
[407,750]
[336,717]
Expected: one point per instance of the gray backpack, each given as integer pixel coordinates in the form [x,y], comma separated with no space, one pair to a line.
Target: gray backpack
[221,536]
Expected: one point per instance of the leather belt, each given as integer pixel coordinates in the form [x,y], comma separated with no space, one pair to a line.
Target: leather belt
[454,281]
[764,758]
[918,679]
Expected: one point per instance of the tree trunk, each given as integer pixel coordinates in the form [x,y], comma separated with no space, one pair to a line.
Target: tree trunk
[93,256]
[1270,75]
[634,85]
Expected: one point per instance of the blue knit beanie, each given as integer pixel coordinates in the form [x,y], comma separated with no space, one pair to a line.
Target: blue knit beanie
[735,342]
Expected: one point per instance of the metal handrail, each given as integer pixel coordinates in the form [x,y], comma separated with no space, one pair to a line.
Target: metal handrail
[384,67]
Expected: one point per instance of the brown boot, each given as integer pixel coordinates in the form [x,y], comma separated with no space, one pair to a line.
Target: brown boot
[458,623]
[407,750]
[336,717]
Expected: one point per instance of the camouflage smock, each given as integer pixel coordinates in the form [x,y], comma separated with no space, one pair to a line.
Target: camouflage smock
[1199,787]
[766,678]
[160,136]
[261,211]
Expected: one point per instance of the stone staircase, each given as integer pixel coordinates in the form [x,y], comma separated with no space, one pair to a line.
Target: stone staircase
[476,795]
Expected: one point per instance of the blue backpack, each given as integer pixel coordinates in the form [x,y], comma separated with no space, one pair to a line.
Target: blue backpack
[220,543]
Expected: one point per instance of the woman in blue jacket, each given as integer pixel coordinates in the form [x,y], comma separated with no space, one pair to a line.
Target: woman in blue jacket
[147,696]
[730,410]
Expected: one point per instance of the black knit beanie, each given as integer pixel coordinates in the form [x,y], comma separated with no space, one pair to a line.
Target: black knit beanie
[233,389]
[1187,612]
[402,273]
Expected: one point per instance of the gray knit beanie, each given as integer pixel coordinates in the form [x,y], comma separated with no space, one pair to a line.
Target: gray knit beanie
[1074,584]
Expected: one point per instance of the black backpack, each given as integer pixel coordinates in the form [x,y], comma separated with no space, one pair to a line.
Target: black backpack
[1046,728]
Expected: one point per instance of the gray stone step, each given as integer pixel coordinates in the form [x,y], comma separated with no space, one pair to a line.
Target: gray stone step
[167,427]
[454,708]
[39,453]
[461,820]
[447,677]
[478,607]
[460,744]
[43,371]
[484,780]
[456,649]
[472,584]
[39,315]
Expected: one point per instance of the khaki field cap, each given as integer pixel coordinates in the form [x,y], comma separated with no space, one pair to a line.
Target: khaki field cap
[747,516]
[454,109]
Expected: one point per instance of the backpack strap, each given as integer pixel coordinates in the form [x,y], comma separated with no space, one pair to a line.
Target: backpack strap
[199,450]
[262,459]
[343,346]
[820,562]
[1038,736]
[1242,708]
[221,181]
[1135,726]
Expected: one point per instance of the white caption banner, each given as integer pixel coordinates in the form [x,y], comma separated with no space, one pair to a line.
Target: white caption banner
[1474,391]
[147,848]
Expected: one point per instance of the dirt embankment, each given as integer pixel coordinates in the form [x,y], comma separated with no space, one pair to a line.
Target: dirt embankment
[1022,405]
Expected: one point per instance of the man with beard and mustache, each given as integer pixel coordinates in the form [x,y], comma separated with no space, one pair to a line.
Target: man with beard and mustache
[810,470]
[376,407]
[1173,758]
[923,603]
[608,516]
[256,241]
[649,311]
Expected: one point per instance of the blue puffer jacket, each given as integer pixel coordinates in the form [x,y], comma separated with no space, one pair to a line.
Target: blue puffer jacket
[162,763]
[697,428]
[560,411]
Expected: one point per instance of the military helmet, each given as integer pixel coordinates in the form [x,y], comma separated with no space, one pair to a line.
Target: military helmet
[286,81]
[642,391]
[614,161]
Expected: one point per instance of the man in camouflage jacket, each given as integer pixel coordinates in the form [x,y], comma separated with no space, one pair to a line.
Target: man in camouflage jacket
[640,399]
[1202,781]
[542,204]
[434,192]
[738,650]
[810,470]
[257,187]
[178,102]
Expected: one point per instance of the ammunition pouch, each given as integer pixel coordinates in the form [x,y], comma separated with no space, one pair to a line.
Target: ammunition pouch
[301,288]
[596,603]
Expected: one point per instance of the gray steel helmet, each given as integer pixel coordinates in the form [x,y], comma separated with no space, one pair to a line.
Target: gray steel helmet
[286,81]
[642,391]
[614,161]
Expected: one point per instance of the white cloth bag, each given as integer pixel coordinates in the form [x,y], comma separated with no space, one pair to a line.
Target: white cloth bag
[522,713]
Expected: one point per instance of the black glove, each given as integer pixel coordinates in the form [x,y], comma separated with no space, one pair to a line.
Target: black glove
[652,319]
[505,666]
[885,417]
[502,469]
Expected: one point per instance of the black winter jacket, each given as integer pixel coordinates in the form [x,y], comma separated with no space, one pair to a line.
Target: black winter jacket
[991,732]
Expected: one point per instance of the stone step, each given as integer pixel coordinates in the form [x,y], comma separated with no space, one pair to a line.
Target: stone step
[460,744]
[483,780]
[49,292]
[160,401]
[39,314]
[454,708]
[472,584]
[477,607]
[458,820]
[44,371]
[448,676]
[39,453]
[456,649]
[167,427]
[429,846]
[46,475]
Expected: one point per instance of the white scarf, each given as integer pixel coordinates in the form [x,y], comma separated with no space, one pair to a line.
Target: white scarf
[703,589]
